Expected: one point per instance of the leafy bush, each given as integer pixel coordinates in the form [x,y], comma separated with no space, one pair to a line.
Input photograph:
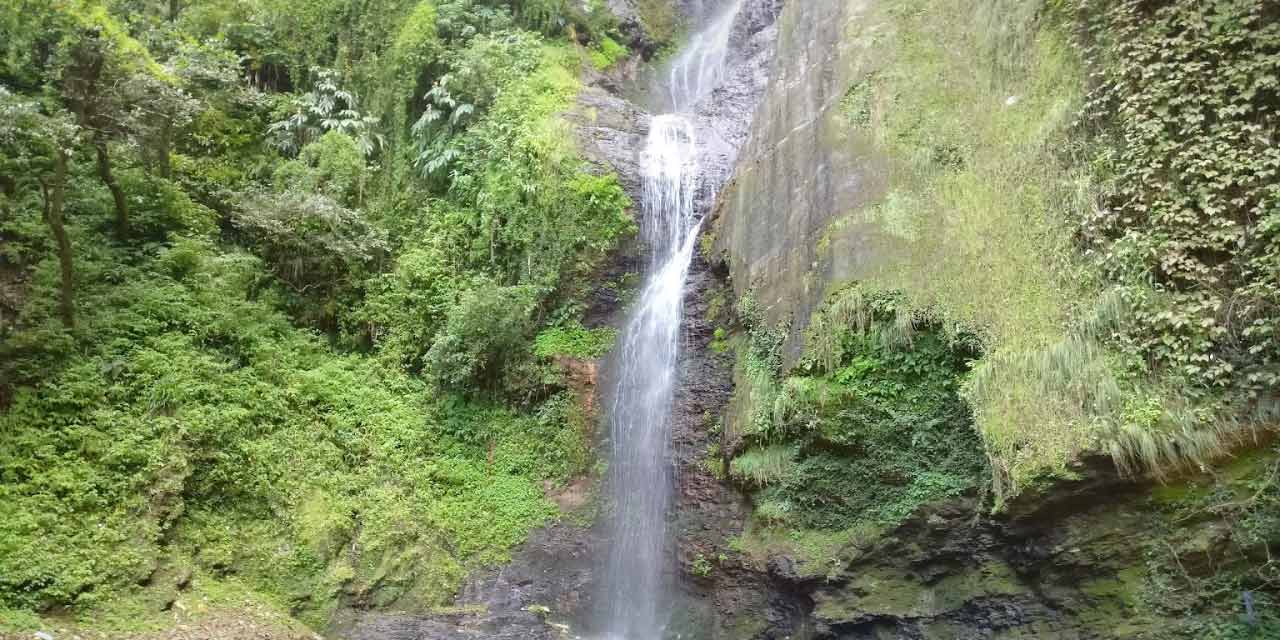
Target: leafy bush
[332,165]
[405,307]
[463,19]
[161,207]
[574,341]
[607,53]
[480,335]
[869,426]
[310,241]
[193,416]
[661,20]
[200,421]
[327,107]
[476,74]
[763,466]
[1185,98]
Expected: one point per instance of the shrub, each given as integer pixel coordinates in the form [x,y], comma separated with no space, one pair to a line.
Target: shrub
[479,336]
[607,53]
[869,427]
[574,341]
[309,240]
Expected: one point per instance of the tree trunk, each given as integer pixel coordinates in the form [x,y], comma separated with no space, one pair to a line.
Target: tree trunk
[174,8]
[54,196]
[109,179]
[8,186]
[166,141]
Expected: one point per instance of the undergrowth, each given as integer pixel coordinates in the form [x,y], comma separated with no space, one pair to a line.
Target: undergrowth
[869,424]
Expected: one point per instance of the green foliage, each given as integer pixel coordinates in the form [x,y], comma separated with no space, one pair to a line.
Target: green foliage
[477,73]
[305,373]
[607,53]
[869,426]
[719,341]
[661,20]
[521,212]
[416,45]
[479,334]
[161,207]
[1185,100]
[38,37]
[574,341]
[326,108]
[1209,542]
[313,244]
[461,20]
[405,307]
[763,466]
[701,566]
[1171,365]
[221,413]
[994,187]
[714,463]
[757,369]
[332,166]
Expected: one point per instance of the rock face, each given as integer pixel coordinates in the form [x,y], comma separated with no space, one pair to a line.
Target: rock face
[1068,565]
[801,170]
[550,575]
[1098,557]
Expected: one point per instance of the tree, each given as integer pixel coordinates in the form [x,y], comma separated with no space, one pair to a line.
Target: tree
[110,82]
[36,151]
[481,334]
[313,244]
[157,111]
[477,74]
[90,96]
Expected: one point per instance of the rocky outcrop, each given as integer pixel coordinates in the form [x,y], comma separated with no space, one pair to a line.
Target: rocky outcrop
[548,579]
[1082,561]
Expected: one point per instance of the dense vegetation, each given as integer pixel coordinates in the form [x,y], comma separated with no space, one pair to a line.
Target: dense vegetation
[272,275]
[286,289]
[866,427]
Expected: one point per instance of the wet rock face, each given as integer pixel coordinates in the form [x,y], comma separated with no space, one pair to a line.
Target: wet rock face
[717,598]
[1059,567]
[1068,564]
[610,131]
[801,169]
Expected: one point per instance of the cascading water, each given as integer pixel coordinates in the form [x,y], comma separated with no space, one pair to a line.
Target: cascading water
[641,411]
[700,67]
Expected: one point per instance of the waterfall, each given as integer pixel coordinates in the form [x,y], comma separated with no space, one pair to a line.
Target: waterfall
[641,409]
[700,66]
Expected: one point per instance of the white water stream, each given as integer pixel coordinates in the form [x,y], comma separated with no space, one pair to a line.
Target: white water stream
[637,574]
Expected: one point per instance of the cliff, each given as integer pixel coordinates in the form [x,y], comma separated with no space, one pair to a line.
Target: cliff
[901,217]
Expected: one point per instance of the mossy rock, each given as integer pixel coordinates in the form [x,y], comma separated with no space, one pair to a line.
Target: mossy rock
[894,593]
